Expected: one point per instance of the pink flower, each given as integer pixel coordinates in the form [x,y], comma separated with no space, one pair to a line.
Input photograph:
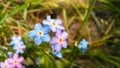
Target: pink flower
[16,61]
[60,40]
[5,64]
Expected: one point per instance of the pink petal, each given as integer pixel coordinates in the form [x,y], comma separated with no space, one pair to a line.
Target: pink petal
[21,59]
[58,47]
[10,60]
[64,35]
[19,65]
[64,44]
[58,33]
[15,56]
[54,40]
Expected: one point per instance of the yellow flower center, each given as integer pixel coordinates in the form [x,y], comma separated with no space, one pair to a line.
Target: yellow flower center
[40,33]
[16,41]
[5,66]
[19,48]
[15,61]
[60,40]
[53,24]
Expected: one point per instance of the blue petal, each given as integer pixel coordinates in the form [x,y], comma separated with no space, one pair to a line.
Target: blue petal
[84,49]
[17,51]
[53,48]
[37,41]
[12,43]
[85,42]
[45,38]
[14,37]
[38,26]
[60,27]
[58,21]
[53,29]
[59,54]
[10,54]
[32,33]
[46,29]
[46,22]
[48,17]
[19,38]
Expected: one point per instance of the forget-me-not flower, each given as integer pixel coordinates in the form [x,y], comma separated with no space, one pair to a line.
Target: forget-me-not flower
[19,48]
[40,33]
[56,53]
[15,61]
[16,40]
[83,45]
[60,40]
[5,64]
[54,24]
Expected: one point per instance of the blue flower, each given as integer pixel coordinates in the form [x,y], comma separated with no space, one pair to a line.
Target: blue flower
[10,54]
[54,24]
[56,53]
[16,40]
[83,45]
[40,33]
[19,48]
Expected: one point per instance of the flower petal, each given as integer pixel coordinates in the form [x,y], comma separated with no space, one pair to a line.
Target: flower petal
[14,37]
[37,41]
[21,51]
[64,44]
[19,38]
[19,65]
[38,26]
[60,27]
[21,59]
[46,29]
[53,29]
[59,54]
[54,40]
[48,17]
[58,47]
[45,38]
[58,33]
[10,60]
[32,33]
[15,56]
[46,22]
[12,43]
[59,21]
[64,35]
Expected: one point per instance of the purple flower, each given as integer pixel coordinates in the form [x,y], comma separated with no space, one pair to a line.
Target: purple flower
[19,48]
[60,40]
[40,33]
[5,64]
[57,54]
[83,45]
[15,62]
[16,40]
[54,24]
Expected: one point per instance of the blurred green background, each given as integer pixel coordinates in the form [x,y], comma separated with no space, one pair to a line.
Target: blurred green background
[98,21]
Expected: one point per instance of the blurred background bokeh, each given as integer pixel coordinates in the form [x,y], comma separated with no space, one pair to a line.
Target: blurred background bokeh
[98,21]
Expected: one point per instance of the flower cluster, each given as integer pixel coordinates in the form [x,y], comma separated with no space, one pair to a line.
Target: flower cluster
[14,61]
[18,44]
[83,45]
[40,33]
